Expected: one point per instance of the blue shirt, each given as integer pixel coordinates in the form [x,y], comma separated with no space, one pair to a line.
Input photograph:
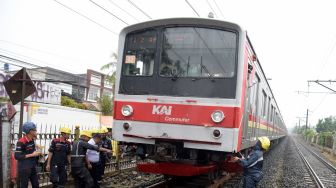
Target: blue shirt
[24,147]
[253,163]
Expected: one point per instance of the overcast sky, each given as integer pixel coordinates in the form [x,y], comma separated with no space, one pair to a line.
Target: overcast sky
[294,40]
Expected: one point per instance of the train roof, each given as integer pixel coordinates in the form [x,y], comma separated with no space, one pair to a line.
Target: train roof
[181,21]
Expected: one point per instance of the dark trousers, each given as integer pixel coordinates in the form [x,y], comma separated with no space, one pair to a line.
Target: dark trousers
[96,174]
[26,175]
[102,168]
[82,177]
[58,176]
[251,181]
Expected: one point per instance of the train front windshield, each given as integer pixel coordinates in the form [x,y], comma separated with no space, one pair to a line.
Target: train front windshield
[180,61]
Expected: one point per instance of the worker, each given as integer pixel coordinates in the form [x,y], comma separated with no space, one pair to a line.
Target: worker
[106,143]
[93,157]
[109,134]
[59,158]
[79,172]
[253,163]
[27,155]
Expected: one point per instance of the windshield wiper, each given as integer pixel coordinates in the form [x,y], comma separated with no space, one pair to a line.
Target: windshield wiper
[206,70]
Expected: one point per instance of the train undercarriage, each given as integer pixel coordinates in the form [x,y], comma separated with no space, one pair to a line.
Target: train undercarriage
[172,159]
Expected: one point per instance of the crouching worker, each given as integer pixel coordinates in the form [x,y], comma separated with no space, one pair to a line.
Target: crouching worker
[59,158]
[79,172]
[253,163]
[27,157]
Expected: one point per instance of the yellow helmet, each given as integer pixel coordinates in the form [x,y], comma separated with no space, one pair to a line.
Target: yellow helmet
[265,142]
[65,130]
[95,131]
[86,133]
[104,130]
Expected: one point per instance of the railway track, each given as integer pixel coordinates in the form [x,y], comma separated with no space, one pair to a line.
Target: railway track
[202,181]
[322,173]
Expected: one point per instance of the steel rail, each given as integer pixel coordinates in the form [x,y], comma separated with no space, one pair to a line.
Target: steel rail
[330,166]
[312,172]
[159,184]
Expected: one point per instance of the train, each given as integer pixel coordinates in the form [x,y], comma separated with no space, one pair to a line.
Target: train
[190,93]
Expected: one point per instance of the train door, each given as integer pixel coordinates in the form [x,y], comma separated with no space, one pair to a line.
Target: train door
[268,119]
[252,108]
[247,111]
[263,104]
[256,111]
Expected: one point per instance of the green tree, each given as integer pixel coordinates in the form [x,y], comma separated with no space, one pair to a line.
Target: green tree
[111,68]
[309,133]
[106,106]
[326,124]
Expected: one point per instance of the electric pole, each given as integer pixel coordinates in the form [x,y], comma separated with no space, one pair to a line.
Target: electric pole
[307,119]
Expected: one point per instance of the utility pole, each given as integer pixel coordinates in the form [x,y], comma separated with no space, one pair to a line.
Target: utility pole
[307,119]
[300,118]
[23,91]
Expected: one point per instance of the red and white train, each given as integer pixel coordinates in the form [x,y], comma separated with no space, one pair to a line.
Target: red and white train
[190,92]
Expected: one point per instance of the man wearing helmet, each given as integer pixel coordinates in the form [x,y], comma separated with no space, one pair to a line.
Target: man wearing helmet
[106,143]
[27,156]
[93,157]
[79,172]
[59,158]
[253,163]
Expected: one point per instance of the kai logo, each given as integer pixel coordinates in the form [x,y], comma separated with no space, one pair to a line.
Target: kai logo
[161,109]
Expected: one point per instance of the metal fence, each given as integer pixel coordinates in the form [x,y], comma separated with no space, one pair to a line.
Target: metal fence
[113,166]
[325,141]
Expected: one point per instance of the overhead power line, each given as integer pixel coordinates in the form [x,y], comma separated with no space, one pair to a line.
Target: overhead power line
[29,58]
[15,62]
[319,104]
[220,11]
[325,60]
[211,7]
[143,12]
[108,12]
[34,68]
[192,8]
[86,17]
[115,4]
[38,50]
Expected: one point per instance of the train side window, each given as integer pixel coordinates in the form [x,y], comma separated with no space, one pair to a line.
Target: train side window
[272,113]
[264,102]
[269,108]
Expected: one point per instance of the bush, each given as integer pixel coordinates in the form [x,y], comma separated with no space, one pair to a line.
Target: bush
[323,137]
[309,134]
[106,105]
[66,101]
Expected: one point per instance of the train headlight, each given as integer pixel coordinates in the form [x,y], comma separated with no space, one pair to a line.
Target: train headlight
[127,110]
[217,116]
